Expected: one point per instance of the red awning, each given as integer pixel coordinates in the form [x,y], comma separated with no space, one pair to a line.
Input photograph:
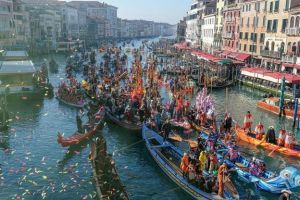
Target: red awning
[206,56]
[290,78]
[288,65]
[242,56]
[235,55]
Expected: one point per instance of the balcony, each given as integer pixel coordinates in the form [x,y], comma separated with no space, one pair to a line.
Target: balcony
[271,54]
[289,59]
[229,19]
[227,34]
[292,31]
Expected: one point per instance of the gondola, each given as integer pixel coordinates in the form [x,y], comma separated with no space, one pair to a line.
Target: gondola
[287,179]
[123,123]
[242,135]
[79,137]
[70,104]
[168,157]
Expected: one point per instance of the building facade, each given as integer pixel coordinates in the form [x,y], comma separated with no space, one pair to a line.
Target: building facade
[208,32]
[193,31]
[253,28]
[293,34]
[7,25]
[219,25]
[70,25]
[276,40]
[231,21]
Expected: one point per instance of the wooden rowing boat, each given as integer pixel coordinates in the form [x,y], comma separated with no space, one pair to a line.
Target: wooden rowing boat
[123,123]
[168,157]
[70,104]
[242,135]
[272,105]
[79,137]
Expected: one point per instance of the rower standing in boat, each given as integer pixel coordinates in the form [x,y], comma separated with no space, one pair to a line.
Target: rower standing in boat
[281,137]
[259,131]
[184,165]
[222,172]
[166,127]
[228,122]
[289,141]
[270,137]
[248,120]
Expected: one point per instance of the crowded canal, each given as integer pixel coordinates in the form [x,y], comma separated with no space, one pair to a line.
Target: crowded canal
[34,166]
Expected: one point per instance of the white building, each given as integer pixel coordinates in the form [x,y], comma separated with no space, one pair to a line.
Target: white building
[70,24]
[192,34]
[207,32]
[6,23]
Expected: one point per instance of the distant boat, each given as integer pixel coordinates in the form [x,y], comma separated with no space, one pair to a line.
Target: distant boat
[271,104]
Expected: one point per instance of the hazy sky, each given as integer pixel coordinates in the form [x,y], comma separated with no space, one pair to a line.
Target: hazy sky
[170,11]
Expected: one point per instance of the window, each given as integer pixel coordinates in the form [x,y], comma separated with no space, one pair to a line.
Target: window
[276,6]
[240,47]
[262,38]
[254,21]
[248,22]
[241,35]
[258,7]
[292,22]
[264,21]
[246,36]
[242,22]
[287,4]
[269,26]
[284,24]
[271,7]
[297,22]
[245,47]
[249,7]
[275,23]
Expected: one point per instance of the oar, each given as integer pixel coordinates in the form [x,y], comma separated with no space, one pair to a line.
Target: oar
[273,151]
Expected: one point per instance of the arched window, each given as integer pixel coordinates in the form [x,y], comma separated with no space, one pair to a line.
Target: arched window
[292,22]
[282,47]
[272,46]
[264,21]
[294,48]
[267,45]
[297,22]
[289,47]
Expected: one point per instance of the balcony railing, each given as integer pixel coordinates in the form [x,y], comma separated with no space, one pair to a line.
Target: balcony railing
[272,54]
[227,35]
[229,19]
[289,59]
[292,31]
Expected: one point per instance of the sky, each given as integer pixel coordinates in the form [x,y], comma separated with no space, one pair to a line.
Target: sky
[170,11]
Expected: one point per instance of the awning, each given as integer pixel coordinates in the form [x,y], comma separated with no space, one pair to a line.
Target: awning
[205,56]
[268,75]
[289,65]
[239,56]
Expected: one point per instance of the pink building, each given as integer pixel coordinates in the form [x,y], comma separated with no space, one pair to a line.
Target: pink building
[231,20]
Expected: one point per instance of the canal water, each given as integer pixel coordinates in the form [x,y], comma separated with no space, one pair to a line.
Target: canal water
[34,166]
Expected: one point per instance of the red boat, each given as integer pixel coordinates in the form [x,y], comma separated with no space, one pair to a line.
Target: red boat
[79,137]
[271,104]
